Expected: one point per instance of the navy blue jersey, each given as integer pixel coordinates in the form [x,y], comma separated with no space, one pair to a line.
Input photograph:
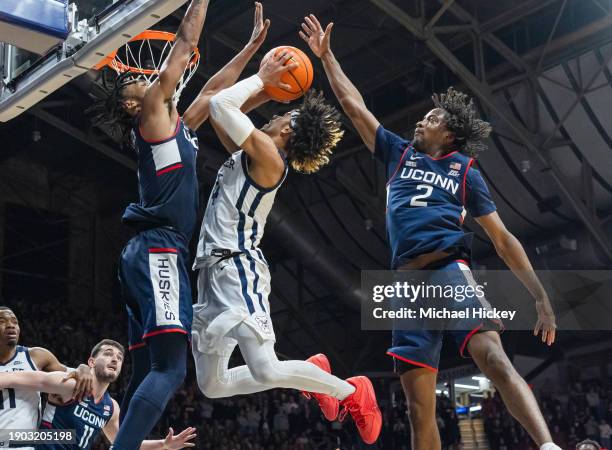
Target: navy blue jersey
[86,417]
[167,182]
[427,198]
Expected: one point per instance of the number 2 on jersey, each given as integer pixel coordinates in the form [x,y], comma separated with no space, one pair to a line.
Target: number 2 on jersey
[416,200]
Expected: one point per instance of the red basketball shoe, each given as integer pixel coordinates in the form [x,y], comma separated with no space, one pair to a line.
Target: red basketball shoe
[363,407]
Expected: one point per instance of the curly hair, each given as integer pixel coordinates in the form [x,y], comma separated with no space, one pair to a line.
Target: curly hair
[107,110]
[316,131]
[462,119]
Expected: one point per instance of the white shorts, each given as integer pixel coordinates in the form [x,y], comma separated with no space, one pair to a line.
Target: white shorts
[230,292]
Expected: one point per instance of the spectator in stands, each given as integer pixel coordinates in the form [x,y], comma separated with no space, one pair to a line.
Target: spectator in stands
[604,433]
[591,428]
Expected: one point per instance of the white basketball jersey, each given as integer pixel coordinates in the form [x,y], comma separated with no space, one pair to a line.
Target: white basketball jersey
[236,212]
[19,409]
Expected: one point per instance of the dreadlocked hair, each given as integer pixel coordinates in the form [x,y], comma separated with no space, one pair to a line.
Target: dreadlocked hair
[317,130]
[107,111]
[463,121]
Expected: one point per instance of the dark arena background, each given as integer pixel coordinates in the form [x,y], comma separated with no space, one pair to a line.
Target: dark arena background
[540,73]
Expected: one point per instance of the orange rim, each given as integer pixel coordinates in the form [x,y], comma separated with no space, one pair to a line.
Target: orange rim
[156,35]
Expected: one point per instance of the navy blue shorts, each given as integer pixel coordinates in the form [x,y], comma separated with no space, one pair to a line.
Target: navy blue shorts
[155,285]
[421,347]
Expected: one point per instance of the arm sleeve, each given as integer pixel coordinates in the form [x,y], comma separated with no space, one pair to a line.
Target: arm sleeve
[225,108]
[389,146]
[478,199]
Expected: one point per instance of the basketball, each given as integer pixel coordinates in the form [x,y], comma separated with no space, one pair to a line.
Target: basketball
[300,78]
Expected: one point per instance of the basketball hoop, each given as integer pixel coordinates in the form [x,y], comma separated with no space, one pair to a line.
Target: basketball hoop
[144,55]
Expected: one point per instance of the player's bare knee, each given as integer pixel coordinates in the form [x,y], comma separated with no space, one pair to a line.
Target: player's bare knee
[420,410]
[499,368]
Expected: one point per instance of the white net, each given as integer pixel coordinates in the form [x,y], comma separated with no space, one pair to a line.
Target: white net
[145,54]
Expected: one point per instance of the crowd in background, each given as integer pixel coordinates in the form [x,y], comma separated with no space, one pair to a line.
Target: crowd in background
[284,419]
[584,412]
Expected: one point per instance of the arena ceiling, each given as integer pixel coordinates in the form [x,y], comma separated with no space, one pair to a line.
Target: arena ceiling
[539,69]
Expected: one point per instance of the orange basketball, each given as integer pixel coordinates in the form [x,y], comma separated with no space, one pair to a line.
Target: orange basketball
[300,78]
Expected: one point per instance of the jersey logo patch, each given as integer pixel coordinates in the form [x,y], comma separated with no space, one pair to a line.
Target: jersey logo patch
[455,166]
[411,164]
[414,157]
[453,173]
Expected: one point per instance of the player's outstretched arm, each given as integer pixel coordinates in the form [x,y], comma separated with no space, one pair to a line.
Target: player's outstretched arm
[170,442]
[267,166]
[160,92]
[47,362]
[198,111]
[349,97]
[513,254]
[49,382]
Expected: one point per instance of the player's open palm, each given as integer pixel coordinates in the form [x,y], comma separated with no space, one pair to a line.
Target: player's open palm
[172,442]
[273,67]
[260,27]
[314,35]
[546,321]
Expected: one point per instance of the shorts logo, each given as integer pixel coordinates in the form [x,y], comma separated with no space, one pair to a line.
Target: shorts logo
[165,283]
[264,324]
[164,286]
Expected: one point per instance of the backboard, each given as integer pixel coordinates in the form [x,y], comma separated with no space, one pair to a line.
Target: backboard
[97,28]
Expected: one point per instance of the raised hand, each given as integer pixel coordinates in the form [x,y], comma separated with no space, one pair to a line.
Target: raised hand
[273,67]
[260,27]
[313,34]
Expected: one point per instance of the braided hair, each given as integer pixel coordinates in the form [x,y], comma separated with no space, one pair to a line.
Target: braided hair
[462,119]
[108,112]
[316,131]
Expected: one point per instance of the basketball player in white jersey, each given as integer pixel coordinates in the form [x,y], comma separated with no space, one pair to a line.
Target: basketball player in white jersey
[234,281]
[95,414]
[20,409]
